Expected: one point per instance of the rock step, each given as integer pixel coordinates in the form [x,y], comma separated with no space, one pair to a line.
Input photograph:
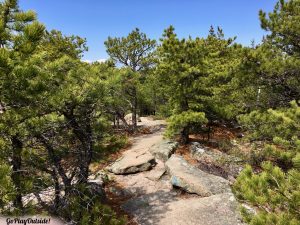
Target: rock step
[194,180]
[133,162]
[163,150]
[157,172]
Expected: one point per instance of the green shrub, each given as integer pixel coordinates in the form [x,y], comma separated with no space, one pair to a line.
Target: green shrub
[85,206]
[275,191]
[184,119]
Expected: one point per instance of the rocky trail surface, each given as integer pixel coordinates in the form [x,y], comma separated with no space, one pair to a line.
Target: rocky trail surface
[154,179]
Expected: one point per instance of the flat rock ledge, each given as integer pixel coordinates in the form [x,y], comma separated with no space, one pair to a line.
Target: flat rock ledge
[193,180]
[163,150]
[133,162]
[221,209]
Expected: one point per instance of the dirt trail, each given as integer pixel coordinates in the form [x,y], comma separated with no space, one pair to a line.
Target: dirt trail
[153,200]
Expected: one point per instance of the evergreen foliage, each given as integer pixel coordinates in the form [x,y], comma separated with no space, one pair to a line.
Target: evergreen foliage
[136,53]
[275,191]
[194,74]
[52,117]
[59,114]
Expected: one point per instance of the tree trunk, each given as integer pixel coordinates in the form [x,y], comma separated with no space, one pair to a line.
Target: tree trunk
[134,111]
[17,148]
[55,160]
[85,135]
[120,116]
[208,133]
[184,135]
[118,122]
[56,188]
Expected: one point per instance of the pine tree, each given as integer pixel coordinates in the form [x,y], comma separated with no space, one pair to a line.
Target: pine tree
[268,76]
[274,191]
[136,53]
[274,68]
[52,120]
[19,36]
[283,24]
[193,73]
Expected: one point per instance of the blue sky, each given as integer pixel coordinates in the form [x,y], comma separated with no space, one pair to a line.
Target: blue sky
[97,19]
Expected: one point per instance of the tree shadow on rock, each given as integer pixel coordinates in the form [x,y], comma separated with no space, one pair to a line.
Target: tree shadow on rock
[150,208]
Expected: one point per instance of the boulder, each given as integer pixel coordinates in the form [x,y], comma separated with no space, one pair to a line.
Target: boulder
[155,128]
[194,180]
[240,135]
[133,162]
[119,192]
[99,178]
[216,162]
[128,118]
[164,149]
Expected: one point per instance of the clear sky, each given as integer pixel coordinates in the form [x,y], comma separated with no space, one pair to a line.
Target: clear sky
[95,20]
